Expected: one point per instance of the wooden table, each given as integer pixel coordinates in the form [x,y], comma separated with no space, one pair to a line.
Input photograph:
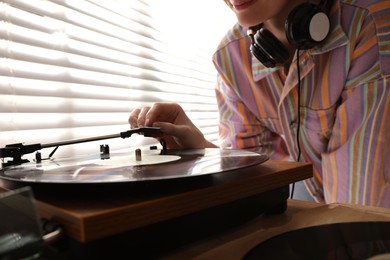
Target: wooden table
[362,234]
[210,248]
[100,214]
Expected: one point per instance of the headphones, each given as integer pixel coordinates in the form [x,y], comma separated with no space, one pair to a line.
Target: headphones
[307,25]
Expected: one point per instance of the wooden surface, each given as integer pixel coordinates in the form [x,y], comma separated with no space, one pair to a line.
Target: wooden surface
[200,249]
[102,213]
[236,242]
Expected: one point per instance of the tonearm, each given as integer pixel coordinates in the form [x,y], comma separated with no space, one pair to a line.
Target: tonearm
[17,150]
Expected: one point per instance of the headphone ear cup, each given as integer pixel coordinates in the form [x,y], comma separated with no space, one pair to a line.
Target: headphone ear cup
[307,25]
[268,49]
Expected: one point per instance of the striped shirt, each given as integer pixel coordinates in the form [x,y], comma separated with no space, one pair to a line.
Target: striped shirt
[344,104]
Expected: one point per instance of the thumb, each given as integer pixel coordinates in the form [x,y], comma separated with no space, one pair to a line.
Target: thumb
[166,128]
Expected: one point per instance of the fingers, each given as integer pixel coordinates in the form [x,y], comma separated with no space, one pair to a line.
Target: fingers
[142,116]
[166,112]
[182,136]
[178,129]
[137,117]
[134,117]
[146,116]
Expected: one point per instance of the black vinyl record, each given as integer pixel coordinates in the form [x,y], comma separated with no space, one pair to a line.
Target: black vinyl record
[351,240]
[127,167]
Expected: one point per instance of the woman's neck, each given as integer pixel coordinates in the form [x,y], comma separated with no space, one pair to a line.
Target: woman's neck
[277,23]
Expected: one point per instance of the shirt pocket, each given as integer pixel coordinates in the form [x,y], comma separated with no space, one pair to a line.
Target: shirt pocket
[317,125]
[271,124]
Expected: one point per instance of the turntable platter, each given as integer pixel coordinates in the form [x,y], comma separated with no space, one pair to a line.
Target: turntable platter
[123,167]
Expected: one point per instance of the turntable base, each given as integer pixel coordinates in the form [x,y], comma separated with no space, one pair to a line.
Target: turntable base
[103,213]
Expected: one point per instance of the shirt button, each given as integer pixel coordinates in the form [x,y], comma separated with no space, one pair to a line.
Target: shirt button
[293,124]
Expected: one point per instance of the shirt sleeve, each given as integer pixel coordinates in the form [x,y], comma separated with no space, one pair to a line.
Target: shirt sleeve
[240,129]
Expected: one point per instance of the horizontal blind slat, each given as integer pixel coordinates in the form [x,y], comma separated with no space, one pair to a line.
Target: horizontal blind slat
[27,121]
[37,104]
[25,86]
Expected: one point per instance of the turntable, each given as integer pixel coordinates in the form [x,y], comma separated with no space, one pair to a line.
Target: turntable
[115,171]
[131,166]
[145,193]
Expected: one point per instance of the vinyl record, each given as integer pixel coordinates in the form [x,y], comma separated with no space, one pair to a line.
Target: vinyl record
[351,240]
[129,167]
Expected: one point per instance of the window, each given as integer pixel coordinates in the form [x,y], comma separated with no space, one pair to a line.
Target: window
[72,69]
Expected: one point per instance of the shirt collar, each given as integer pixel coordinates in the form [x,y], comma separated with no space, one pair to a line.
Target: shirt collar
[336,38]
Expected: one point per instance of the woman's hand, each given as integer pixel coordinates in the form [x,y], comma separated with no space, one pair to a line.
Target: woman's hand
[179,131]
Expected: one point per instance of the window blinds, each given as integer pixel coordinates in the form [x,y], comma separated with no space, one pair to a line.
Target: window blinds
[75,69]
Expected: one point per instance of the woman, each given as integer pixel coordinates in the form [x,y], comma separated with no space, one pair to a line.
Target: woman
[341,84]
